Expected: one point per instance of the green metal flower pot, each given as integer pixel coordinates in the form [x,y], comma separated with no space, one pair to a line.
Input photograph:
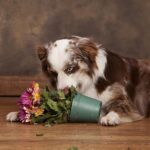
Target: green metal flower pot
[85,109]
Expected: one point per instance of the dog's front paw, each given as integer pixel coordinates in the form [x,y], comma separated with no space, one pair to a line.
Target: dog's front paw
[111,119]
[12,116]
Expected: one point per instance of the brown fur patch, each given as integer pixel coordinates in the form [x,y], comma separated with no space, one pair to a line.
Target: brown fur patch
[119,102]
[115,70]
[85,50]
[142,94]
[101,84]
[133,76]
[42,52]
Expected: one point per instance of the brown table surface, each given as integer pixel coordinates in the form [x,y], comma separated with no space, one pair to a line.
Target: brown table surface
[16,136]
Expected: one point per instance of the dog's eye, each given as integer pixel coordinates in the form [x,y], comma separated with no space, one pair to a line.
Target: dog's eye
[68,70]
[71,69]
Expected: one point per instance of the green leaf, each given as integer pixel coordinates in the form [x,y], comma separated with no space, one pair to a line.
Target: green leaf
[45,94]
[41,118]
[53,105]
[61,95]
[43,106]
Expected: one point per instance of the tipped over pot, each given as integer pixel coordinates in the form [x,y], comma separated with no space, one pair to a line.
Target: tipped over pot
[85,109]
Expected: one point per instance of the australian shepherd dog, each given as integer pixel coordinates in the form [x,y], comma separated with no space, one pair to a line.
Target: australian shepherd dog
[122,84]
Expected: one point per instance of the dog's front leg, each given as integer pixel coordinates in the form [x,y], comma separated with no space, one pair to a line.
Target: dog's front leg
[117,106]
[117,112]
[111,119]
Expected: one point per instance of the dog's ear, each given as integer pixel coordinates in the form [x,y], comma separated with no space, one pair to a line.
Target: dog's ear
[42,52]
[87,47]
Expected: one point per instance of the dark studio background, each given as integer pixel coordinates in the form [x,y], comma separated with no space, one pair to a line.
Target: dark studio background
[122,26]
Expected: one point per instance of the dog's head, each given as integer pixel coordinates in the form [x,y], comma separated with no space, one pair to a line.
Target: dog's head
[68,62]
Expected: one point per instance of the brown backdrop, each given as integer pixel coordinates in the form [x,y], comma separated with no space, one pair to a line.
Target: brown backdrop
[121,25]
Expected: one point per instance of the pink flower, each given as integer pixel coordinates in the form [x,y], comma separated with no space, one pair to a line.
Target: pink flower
[22,115]
[27,102]
[26,99]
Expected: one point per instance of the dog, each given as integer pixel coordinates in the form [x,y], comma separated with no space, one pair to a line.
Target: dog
[122,84]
